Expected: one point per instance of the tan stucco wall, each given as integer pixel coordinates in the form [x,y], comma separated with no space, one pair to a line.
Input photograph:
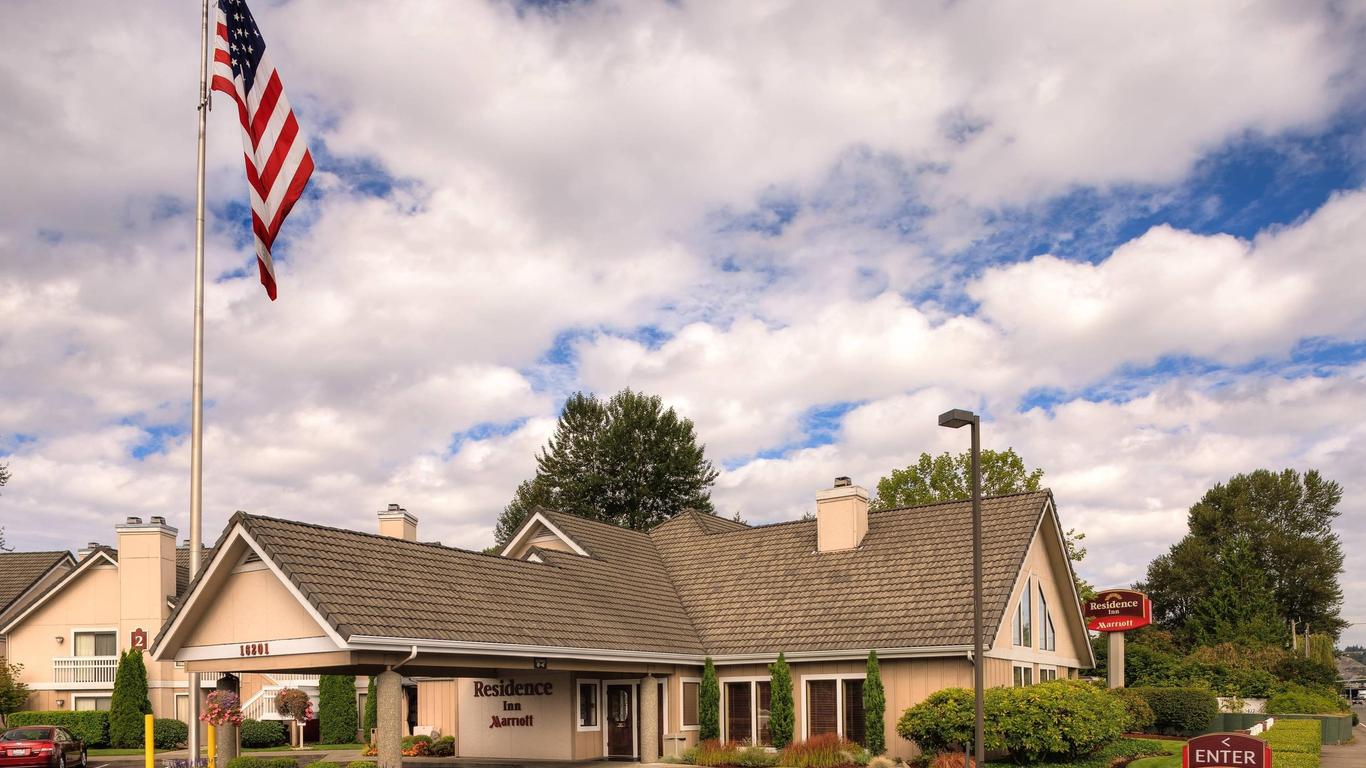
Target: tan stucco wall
[549,736]
[238,608]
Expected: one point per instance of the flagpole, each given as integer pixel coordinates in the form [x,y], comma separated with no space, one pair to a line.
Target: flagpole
[197,414]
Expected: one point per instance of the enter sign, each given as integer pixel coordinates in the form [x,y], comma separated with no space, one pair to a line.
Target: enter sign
[1225,750]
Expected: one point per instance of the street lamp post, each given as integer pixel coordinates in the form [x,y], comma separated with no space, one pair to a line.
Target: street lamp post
[955,419]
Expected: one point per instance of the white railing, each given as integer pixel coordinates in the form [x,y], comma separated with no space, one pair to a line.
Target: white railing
[294,681]
[262,705]
[84,669]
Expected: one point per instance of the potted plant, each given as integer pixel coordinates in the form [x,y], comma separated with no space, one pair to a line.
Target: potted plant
[295,705]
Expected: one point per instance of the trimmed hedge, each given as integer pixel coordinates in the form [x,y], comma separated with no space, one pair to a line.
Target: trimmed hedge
[169,733]
[263,762]
[90,727]
[263,733]
[1304,736]
[1180,711]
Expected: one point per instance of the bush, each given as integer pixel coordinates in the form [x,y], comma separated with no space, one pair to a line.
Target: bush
[756,757]
[129,702]
[263,733]
[780,720]
[827,751]
[1304,736]
[444,747]
[950,760]
[1303,701]
[1138,716]
[1062,718]
[881,761]
[361,764]
[90,727]
[1180,711]
[943,722]
[337,709]
[371,713]
[709,704]
[713,753]
[1296,760]
[416,746]
[324,764]
[263,762]
[874,708]
[168,733]
[1297,669]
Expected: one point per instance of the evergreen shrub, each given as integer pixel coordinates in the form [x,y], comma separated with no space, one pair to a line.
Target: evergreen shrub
[1138,716]
[337,709]
[874,708]
[129,702]
[1180,711]
[90,727]
[709,704]
[169,733]
[263,733]
[781,710]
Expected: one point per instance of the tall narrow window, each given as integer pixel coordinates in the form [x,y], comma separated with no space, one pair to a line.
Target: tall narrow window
[1048,640]
[763,701]
[588,706]
[1021,624]
[822,707]
[853,711]
[739,714]
[690,704]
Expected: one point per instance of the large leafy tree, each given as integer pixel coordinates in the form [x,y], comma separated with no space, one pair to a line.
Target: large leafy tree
[628,461]
[1238,608]
[1285,521]
[948,477]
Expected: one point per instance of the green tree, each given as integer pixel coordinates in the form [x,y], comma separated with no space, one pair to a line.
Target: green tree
[628,461]
[709,704]
[1238,607]
[781,712]
[947,477]
[1285,520]
[13,692]
[371,709]
[129,701]
[874,708]
[337,709]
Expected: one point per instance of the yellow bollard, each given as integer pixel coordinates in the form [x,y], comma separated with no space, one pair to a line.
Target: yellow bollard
[213,746]
[148,741]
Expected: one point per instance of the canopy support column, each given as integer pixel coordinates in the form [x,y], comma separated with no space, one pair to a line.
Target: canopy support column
[389,719]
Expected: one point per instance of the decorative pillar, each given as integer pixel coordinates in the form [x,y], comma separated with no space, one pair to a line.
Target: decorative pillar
[389,719]
[228,744]
[1114,661]
[649,720]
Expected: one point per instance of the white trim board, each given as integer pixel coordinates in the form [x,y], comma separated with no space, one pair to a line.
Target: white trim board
[839,677]
[538,518]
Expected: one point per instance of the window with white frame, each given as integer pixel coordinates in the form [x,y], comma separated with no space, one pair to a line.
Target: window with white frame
[98,703]
[95,643]
[834,705]
[1020,625]
[1048,639]
[588,705]
[746,710]
[1024,675]
[688,702]
[182,707]
[1048,673]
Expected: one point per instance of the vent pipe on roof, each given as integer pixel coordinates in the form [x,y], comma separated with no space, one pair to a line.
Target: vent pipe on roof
[841,516]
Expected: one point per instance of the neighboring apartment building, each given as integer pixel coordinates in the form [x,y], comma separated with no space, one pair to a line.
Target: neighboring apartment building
[582,640]
[24,577]
[80,615]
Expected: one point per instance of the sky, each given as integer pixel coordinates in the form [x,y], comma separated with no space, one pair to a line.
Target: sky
[1129,235]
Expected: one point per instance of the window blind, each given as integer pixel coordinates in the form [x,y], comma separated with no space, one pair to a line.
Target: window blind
[738,712]
[822,707]
[690,704]
[853,711]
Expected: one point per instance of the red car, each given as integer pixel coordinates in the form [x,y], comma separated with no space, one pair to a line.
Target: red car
[41,746]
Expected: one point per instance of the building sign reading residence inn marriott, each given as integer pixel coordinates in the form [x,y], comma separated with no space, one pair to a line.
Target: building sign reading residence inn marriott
[512,688]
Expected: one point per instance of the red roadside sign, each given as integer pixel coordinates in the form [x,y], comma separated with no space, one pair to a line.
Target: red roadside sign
[1118,610]
[1225,750]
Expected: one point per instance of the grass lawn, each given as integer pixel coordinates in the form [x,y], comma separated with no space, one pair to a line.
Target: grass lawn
[1162,761]
[1118,749]
[307,747]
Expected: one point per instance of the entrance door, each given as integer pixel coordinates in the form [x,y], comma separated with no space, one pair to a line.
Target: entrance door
[621,721]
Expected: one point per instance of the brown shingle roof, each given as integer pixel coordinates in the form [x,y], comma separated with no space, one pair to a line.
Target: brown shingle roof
[182,566]
[751,590]
[696,584]
[365,584]
[21,570]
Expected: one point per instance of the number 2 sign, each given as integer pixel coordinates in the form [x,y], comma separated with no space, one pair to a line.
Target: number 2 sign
[139,639]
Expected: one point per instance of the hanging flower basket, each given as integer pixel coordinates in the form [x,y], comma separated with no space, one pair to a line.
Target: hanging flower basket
[222,708]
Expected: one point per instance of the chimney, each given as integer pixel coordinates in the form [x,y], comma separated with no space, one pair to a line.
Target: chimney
[147,573]
[841,516]
[82,554]
[395,521]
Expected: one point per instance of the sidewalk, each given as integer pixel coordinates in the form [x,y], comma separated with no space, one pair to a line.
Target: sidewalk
[1352,755]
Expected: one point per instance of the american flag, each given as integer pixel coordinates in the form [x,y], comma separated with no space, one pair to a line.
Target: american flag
[278,161]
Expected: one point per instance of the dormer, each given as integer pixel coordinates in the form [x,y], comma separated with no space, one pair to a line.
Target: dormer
[538,532]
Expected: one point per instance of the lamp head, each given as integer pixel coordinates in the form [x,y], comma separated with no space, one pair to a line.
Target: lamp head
[957,418]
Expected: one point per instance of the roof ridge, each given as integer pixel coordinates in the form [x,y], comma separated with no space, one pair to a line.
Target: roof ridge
[352,531]
[580,518]
[1044,491]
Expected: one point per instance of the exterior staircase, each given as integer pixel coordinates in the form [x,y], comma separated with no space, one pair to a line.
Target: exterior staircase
[261,706]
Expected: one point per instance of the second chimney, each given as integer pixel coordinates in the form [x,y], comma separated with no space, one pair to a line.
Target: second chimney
[395,521]
[841,516]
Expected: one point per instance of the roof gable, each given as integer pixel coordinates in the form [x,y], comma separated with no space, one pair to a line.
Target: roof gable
[100,556]
[539,532]
[20,572]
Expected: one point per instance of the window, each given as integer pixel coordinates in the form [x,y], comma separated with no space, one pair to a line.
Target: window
[95,644]
[822,707]
[182,707]
[1048,673]
[739,713]
[689,708]
[853,711]
[834,705]
[1048,640]
[588,706]
[763,697]
[1021,624]
[91,703]
[1024,676]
